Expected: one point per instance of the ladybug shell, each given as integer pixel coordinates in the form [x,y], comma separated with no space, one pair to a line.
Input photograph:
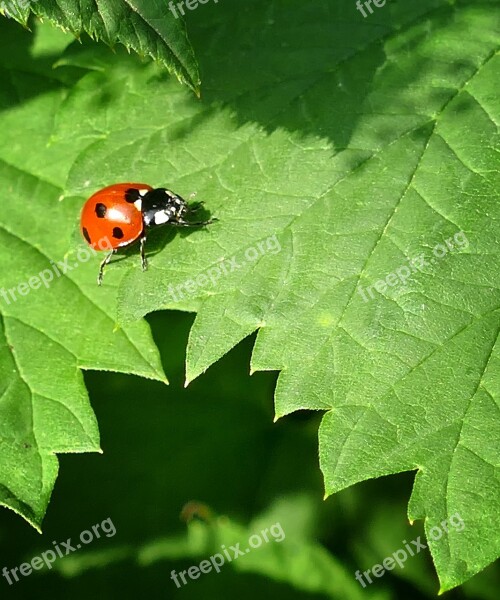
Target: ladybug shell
[111,217]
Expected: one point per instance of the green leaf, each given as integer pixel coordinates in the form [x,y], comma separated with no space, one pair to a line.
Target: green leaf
[345,153]
[52,324]
[148,27]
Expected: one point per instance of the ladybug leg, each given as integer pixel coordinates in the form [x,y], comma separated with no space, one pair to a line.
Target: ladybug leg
[144,260]
[182,223]
[103,266]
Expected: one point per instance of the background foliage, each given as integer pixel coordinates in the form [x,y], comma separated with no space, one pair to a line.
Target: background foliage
[361,144]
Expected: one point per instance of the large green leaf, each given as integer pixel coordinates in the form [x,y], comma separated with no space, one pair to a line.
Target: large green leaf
[354,151]
[148,27]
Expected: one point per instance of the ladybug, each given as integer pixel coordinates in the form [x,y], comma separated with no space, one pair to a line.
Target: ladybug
[123,213]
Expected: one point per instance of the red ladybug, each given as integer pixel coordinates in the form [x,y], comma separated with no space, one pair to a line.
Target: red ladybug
[124,212]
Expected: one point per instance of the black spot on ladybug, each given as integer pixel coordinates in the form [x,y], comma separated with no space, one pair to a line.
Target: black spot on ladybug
[117,233]
[100,210]
[86,235]
[132,195]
